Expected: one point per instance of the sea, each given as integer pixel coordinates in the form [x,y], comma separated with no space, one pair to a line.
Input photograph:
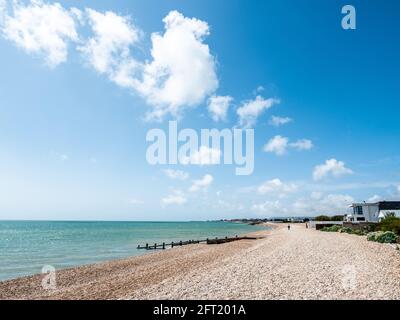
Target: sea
[26,247]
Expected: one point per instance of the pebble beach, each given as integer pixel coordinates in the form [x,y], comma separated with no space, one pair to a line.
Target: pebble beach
[299,263]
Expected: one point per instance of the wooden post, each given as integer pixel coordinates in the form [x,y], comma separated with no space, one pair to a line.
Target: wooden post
[172,244]
[180,242]
[163,245]
[147,246]
[155,246]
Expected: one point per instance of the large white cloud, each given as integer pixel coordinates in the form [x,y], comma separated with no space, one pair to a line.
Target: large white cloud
[182,70]
[43,29]
[251,110]
[108,50]
[331,167]
[201,184]
[218,107]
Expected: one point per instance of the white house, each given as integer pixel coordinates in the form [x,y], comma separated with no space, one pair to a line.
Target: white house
[372,212]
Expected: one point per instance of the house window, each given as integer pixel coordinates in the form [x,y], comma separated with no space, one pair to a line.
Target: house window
[358,210]
[361,219]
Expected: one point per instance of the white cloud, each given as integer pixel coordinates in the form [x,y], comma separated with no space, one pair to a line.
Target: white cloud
[204,156]
[338,201]
[270,208]
[41,28]
[331,204]
[279,145]
[316,204]
[279,121]
[218,107]
[259,89]
[176,174]
[201,184]
[108,51]
[302,144]
[182,72]
[393,191]
[375,198]
[330,167]
[316,195]
[135,201]
[276,186]
[176,198]
[251,110]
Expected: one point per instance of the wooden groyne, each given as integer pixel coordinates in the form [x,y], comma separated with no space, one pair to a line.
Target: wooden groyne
[163,246]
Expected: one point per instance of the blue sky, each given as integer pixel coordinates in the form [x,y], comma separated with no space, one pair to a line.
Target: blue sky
[75,106]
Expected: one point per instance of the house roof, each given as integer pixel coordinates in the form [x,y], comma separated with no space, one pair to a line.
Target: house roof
[389,205]
[383,205]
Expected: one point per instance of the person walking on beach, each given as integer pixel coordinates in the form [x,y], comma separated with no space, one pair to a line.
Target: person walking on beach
[288,227]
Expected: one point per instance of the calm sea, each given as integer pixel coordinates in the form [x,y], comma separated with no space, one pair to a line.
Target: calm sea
[26,246]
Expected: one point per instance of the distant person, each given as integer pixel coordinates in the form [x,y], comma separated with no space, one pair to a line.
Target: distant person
[288,227]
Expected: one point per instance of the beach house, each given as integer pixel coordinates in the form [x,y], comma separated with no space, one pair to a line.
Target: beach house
[371,212]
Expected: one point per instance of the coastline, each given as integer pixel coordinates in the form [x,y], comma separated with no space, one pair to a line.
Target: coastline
[296,264]
[28,246]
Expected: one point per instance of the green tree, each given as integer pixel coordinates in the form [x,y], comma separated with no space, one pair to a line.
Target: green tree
[322,218]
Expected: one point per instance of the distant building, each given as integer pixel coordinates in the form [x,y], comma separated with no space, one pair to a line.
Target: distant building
[372,212]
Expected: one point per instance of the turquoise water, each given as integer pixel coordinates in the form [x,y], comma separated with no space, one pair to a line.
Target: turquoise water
[26,246]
